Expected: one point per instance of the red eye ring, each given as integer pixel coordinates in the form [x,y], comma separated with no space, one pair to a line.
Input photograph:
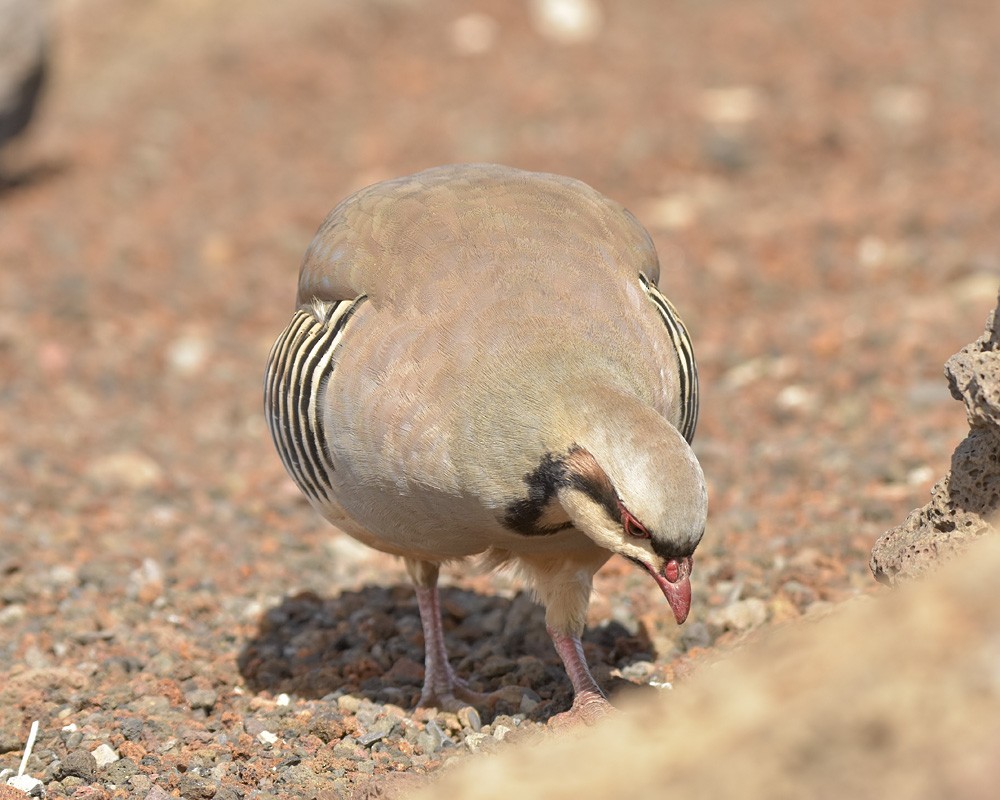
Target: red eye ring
[631,525]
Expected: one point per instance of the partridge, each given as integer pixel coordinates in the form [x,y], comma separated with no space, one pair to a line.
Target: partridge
[481,364]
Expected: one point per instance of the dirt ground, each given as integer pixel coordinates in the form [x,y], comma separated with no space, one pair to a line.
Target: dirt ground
[168,599]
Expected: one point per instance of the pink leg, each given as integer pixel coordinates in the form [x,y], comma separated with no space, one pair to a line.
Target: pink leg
[589,702]
[442,689]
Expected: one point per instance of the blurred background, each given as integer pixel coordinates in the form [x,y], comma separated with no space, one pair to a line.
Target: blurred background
[827,170]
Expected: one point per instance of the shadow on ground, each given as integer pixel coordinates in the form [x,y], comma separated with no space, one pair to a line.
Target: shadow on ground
[13,179]
[369,643]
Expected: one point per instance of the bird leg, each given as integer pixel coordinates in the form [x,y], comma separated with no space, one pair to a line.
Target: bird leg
[442,688]
[589,703]
[564,587]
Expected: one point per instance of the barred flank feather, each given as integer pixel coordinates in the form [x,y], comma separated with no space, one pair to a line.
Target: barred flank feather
[298,369]
[687,369]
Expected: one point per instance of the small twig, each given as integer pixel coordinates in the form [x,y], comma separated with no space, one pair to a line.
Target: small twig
[27,748]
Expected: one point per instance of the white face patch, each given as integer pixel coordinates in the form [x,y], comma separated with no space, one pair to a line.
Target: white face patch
[591,518]
[553,515]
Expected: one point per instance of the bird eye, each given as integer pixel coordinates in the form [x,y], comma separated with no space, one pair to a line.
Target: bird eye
[631,525]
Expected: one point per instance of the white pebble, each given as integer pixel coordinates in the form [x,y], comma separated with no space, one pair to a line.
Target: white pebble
[62,575]
[919,475]
[731,106]
[282,700]
[188,354]
[500,732]
[349,704]
[104,754]
[475,740]
[266,737]
[147,579]
[752,370]
[25,783]
[127,470]
[871,252]
[797,398]
[15,612]
[567,21]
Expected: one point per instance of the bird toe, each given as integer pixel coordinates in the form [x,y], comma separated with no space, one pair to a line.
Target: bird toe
[588,708]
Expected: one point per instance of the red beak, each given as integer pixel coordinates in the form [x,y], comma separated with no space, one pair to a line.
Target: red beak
[675,583]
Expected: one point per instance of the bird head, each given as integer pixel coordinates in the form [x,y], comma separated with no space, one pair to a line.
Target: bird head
[638,491]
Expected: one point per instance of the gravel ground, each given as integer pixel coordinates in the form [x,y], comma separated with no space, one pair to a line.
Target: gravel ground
[174,614]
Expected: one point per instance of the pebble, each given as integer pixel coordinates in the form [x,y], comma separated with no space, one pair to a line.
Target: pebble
[496,666]
[474,741]
[132,729]
[119,772]
[27,784]
[104,754]
[349,704]
[695,634]
[266,737]
[470,718]
[187,354]
[146,583]
[380,731]
[194,786]
[500,732]
[127,470]
[74,740]
[12,613]
[743,615]
[202,698]
[731,106]
[432,738]
[797,398]
[79,763]
[529,702]
[567,21]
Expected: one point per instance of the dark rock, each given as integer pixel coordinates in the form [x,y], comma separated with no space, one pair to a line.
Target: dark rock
[9,742]
[202,698]
[193,786]
[80,764]
[132,729]
[119,771]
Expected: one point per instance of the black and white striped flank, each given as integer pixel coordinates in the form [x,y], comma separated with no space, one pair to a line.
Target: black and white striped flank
[687,369]
[298,369]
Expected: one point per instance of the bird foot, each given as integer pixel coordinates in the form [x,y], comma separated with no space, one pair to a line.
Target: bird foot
[588,708]
[451,699]
[460,695]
